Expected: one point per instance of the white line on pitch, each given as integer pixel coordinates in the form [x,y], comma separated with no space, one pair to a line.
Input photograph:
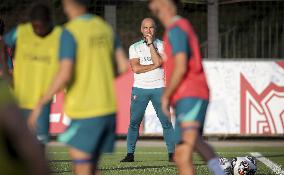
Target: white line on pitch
[273,166]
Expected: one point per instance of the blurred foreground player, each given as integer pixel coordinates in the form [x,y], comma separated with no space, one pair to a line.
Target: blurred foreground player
[19,150]
[36,60]
[5,53]
[149,82]
[186,88]
[89,76]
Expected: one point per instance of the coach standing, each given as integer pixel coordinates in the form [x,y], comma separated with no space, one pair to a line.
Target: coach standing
[146,60]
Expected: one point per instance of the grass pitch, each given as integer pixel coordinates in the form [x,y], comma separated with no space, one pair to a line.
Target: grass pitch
[154,160]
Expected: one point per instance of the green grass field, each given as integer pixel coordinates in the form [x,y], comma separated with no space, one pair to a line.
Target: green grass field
[153,160]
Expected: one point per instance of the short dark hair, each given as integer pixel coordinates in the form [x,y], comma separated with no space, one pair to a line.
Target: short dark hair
[176,2]
[2,27]
[41,12]
[85,3]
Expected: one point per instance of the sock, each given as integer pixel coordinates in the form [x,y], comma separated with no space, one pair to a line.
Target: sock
[215,167]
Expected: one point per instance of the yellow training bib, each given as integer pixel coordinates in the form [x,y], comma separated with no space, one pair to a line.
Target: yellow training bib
[36,62]
[92,92]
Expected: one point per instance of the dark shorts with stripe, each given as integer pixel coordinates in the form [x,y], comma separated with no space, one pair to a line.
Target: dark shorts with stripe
[93,136]
[42,130]
[187,110]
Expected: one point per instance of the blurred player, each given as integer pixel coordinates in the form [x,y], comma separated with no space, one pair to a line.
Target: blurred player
[19,150]
[36,60]
[186,88]
[146,60]
[5,53]
[89,45]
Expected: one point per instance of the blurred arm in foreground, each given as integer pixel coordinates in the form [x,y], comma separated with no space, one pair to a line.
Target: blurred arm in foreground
[20,151]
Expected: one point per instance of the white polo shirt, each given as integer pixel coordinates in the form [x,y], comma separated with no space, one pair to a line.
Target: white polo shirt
[152,79]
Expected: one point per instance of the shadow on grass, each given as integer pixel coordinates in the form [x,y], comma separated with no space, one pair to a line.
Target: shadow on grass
[120,168]
[200,163]
[59,172]
[59,161]
[136,167]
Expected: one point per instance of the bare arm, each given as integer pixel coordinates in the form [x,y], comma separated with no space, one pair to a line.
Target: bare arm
[180,68]
[61,79]
[156,58]
[138,68]
[24,142]
[121,61]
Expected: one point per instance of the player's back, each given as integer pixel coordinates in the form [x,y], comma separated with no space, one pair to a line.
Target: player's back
[92,91]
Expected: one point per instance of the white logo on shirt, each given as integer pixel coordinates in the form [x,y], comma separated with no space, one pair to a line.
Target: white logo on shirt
[151,79]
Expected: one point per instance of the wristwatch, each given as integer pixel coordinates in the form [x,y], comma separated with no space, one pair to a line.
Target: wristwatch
[148,44]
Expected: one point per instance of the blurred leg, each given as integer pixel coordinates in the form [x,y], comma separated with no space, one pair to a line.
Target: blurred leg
[204,149]
[106,140]
[208,155]
[193,110]
[190,114]
[184,150]
[82,163]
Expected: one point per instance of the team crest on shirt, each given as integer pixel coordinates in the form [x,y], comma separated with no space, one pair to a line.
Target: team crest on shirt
[134,97]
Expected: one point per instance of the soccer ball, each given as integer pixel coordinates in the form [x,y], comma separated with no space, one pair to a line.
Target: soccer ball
[244,165]
[226,165]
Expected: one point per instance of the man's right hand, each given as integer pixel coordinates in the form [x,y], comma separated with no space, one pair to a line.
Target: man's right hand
[149,39]
[157,61]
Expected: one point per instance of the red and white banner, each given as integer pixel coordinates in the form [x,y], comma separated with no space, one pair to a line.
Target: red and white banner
[262,112]
[247,97]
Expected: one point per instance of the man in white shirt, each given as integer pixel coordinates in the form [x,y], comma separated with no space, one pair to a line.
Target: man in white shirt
[149,82]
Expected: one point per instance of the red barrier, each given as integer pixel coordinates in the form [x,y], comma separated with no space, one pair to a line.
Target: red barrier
[123,85]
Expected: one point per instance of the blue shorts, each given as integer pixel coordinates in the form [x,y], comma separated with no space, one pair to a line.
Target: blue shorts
[187,110]
[92,135]
[42,129]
